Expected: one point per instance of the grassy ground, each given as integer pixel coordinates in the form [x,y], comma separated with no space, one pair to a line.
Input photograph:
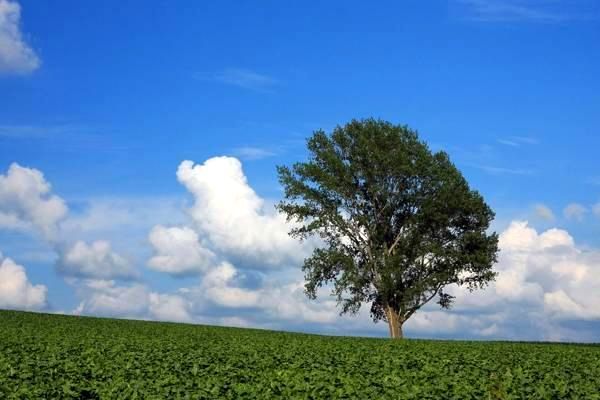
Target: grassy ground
[54,356]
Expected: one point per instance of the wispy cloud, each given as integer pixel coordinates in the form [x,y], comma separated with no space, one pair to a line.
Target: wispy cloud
[504,171]
[518,141]
[66,137]
[486,158]
[35,131]
[575,211]
[595,180]
[543,211]
[537,11]
[253,153]
[246,79]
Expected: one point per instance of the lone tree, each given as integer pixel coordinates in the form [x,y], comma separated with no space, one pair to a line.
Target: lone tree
[398,222]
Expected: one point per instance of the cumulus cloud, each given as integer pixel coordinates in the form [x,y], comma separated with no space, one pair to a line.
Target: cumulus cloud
[26,202]
[544,212]
[178,251]
[96,260]
[543,277]
[16,292]
[16,57]
[575,211]
[234,219]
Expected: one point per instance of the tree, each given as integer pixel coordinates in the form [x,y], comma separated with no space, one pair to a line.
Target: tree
[398,222]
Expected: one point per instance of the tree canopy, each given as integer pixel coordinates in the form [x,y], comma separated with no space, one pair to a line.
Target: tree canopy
[398,222]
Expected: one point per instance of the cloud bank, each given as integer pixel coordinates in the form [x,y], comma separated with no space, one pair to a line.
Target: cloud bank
[238,266]
[544,279]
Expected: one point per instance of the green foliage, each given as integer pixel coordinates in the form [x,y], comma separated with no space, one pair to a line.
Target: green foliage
[399,222]
[53,356]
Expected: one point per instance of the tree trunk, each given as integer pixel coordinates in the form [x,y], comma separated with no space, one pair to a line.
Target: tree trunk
[394,323]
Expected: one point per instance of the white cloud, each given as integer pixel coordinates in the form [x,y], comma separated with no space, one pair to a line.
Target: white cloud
[575,211]
[436,322]
[96,260]
[166,307]
[234,219]
[102,297]
[218,287]
[560,302]
[16,292]
[542,276]
[16,57]
[544,212]
[26,202]
[289,302]
[178,251]
[275,301]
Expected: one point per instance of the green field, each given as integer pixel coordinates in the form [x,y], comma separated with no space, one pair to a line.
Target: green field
[54,356]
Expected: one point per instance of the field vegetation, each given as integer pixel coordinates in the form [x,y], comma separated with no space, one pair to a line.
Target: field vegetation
[56,356]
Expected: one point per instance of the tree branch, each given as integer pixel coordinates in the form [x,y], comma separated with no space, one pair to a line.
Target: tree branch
[412,310]
[396,241]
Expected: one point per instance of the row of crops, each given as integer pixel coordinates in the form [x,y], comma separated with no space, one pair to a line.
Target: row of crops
[54,356]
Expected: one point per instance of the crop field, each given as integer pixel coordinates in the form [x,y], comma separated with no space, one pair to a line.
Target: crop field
[54,356]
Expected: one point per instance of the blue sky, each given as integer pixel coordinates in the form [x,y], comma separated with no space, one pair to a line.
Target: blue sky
[107,99]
